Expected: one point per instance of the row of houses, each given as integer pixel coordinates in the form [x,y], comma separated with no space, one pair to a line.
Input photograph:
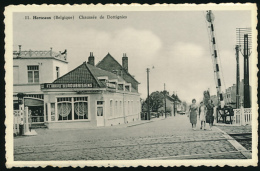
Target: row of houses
[90,95]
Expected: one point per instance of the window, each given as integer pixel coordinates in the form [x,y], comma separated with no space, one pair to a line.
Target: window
[80,108]
[99,108]
[127,88]
[132,105]
[57,72]
[111,108]
[120,87]
[126,108]
[120,109]
[66,104]
[116,112]
[33,74]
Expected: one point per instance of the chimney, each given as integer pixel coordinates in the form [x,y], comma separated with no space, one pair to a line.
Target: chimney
[125,62]
[19,53]
[51,52]
[91,59]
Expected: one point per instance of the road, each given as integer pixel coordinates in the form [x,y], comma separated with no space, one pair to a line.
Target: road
[167,139]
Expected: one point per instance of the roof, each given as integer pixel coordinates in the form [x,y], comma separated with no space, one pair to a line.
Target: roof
[97,72]
[86,73]
[112,66]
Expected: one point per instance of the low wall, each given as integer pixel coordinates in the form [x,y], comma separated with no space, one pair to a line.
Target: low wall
[115,121]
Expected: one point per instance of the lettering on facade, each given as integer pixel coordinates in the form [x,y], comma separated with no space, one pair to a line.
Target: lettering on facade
[67,85]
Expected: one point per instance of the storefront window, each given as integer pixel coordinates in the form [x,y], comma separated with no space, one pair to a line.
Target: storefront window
[64,111]
[80,110]
[66,104]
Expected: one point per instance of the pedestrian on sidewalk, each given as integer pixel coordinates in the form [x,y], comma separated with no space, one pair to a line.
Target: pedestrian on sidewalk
[209,113]
[193,110]
[202,115]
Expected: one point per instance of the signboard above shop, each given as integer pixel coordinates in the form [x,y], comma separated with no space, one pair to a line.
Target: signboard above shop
[51,85]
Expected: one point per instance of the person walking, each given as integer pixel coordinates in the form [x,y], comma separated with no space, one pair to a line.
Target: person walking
[202,115]
[193,110]
[209,113]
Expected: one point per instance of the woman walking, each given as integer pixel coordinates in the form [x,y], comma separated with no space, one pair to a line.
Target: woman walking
[202,115]
[209,114]
[193,114]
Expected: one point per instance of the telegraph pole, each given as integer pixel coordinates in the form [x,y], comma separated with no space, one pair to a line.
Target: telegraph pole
[244,38]
[165,101]
[246,74]
[148,99]
[238,78]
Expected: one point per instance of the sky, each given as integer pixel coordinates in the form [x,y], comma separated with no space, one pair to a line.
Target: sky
[175,43]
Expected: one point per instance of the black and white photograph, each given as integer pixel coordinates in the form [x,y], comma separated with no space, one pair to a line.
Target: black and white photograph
[133,85]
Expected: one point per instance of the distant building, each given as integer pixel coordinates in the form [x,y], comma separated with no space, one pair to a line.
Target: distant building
[30,69]
[230,95]
[90,96]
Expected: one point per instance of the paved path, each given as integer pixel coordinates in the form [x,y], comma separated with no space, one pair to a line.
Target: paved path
[170,138]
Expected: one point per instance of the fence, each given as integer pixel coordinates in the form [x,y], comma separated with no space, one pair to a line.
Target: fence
[242,116]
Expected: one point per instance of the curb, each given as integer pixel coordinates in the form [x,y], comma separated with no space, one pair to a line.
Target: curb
[235,144]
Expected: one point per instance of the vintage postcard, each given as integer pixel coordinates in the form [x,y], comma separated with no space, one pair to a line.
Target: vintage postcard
[131,85]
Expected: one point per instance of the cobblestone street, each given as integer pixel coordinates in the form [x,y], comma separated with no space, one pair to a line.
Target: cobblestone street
[170,138]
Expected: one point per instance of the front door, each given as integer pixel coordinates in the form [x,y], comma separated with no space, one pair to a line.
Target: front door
[100,113]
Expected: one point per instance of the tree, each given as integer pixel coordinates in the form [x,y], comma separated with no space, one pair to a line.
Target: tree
[156,101]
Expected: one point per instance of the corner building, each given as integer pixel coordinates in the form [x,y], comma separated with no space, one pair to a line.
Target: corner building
[30,69]
[89,96]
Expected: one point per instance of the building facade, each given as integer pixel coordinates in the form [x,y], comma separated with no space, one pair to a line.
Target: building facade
[89,96]
[30,69]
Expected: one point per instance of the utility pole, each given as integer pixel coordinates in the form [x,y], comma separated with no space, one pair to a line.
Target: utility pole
[244,38]
[246,74]
[174,104]
[238,79]
[165,101]
[148,99]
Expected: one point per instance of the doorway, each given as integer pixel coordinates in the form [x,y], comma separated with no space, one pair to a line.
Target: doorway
[100,113]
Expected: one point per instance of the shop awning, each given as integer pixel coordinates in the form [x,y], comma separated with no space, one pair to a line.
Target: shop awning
[33,102]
